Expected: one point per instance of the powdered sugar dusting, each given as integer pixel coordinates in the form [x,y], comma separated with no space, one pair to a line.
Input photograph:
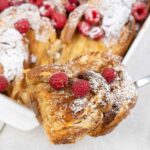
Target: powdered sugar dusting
[123,91]
[13,53]
[95,31]
[59,5]
[40,25]
[78,105]
[97,81]
[76,15]
[55,4]
[115,15]
[123,88]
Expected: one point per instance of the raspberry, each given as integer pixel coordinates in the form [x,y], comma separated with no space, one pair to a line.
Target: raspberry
[59,20]
[109,74]
[84,27]
[92,16]
[22,25]
[74,1]
[96,33]
[4,4]
[140,11]
[16,2]
[47,10]
[3,83]
[80,88]
[58,80]
[70,6]
[36,2]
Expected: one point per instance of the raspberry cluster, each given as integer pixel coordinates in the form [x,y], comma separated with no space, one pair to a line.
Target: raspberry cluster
[80,87]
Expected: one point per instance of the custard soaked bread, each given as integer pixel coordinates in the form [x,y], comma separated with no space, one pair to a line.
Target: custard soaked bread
[57,31]
[90,94]
[25,39]
[102,25]
[87,96]
[38,31]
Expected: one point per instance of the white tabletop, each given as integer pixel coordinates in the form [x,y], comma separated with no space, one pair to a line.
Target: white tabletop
[132,134]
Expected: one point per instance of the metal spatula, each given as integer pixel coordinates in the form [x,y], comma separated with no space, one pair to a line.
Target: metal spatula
[142,82]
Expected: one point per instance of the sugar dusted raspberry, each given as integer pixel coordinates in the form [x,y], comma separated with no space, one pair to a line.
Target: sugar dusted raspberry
[16,2]
[36,2]
[140,11]
[80,88]
[84,27]
[70,6]
[96,33]
[59,20]
[92,16]
[47,10]
[4,4]
[109,74]
[22,25]
[3,83]
[58,80]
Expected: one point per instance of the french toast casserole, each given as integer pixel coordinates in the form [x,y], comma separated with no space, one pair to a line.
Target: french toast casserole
[62,59]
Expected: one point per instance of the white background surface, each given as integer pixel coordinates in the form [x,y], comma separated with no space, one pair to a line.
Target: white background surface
[132,134]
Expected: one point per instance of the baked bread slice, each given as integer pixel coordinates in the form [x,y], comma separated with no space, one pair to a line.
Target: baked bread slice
[41,34]
[14,56]
[67,118]
[120,30]
[20,51]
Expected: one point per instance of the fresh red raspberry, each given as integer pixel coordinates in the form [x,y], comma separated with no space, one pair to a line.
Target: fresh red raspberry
[36,2]
[92,16]
[96,33]
[46,10]
[140,11]
[109,74]
[84,27]
[74,1]
[80,88]
[70,6]
[59,20]
[4,4]
[22,25]
[58,80]
[3,83]
[16,2]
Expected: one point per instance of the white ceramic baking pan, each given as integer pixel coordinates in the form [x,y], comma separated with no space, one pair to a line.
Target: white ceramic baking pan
[22,118]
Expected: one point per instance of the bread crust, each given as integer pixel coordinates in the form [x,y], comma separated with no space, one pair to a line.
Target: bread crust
[54,108]
[76,45]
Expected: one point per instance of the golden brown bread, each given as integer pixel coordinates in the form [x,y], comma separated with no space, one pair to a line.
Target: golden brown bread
[40,36]
[36,41]
[75,44]
[81,45]
[39,49]
[66,118]
[61,50]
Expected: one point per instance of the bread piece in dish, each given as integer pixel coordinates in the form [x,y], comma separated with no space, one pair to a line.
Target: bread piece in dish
[19,50]
[67,117]
[117,23]
[41,34]
[14,56]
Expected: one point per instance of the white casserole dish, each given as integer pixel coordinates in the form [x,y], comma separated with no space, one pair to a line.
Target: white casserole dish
[24,119]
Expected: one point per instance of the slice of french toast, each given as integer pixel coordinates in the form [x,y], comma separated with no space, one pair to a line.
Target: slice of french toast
[40,35]
[118,23]
[67,118]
